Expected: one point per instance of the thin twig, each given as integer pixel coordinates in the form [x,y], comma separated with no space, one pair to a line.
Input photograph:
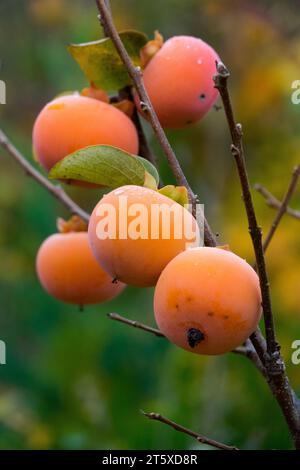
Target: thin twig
[127,93]
[273,361]
[105,30]
[259,343]
[56,191]
[136,75]
[274,203]
[283,206]
[135,324]
[199,437]
[247,350]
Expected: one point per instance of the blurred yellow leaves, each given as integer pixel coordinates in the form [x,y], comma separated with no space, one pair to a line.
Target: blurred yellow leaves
[263,86]
[48,12]
[284,267]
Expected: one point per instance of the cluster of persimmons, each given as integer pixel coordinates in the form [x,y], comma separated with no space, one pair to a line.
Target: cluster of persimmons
[206,300]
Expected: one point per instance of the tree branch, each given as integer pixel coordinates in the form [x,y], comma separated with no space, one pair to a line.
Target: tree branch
[283,206]
[56,191]
[135,324]
[259,343]
[199,437]
[144,149]
[255,231]
[136,75]
[273,361]
[280,388]
[247,350]
[275,203]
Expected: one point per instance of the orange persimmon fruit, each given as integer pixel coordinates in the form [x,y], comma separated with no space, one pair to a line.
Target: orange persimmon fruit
[72,122]
[179,81]
[207,300]
[69,272]
[135,231]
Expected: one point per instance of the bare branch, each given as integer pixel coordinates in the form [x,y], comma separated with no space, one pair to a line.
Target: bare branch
[272,359]
[136,75]
[199,437]
[56,191]
[255,231]
[275,203]
[247,350]
[105,30]
[283,206]
[135,324]
[259,343]
[127,93]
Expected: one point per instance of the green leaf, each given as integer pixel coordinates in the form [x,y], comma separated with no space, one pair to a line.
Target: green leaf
[100,164]
[150,168]
[101,63]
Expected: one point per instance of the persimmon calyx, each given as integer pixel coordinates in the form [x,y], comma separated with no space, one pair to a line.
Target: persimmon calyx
[126,106]
[224,247]
[178,194]
[151,48]
[94,92]
[74,224]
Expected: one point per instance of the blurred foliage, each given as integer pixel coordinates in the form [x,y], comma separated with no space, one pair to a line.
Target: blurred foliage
[76,380]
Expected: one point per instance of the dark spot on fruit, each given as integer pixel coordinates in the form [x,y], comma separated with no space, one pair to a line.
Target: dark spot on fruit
[81,308]
[176,306]
[202,96]
[115,280]
[189,122]
[210,314]
[189,299]
[194,337]
[225,317]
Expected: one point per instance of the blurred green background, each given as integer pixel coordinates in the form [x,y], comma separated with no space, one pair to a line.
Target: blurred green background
[76,380]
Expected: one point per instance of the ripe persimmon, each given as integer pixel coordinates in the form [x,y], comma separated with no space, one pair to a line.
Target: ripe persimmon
[207,300]
[69,272]
[179,81]
[72,122]
[147,229]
